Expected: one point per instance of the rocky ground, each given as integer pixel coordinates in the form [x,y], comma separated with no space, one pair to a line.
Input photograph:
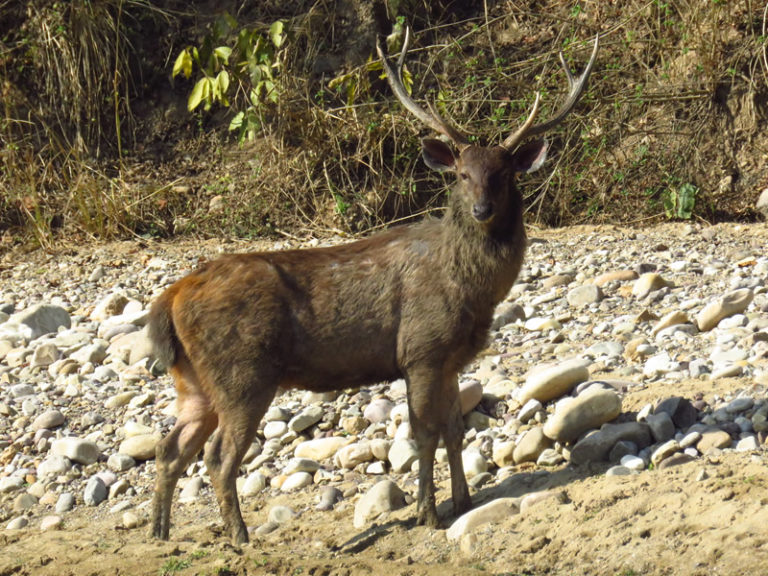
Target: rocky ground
[616,424]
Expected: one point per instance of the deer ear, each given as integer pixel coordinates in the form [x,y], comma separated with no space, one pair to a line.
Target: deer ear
[530,157]
[437,154]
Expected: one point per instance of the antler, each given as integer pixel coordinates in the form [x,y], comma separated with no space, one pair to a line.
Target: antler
[575,88]
[395,79]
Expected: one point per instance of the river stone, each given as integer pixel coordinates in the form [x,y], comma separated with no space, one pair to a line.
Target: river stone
[384,496]
[275,429]
[54,465]
[24,502]
[727,305]
[41,319]
[95,491]
[713,439]
[76,449]
[309,416]
[494,511]
[647,283]
[45,355]
[120,462]
[506,313]
[47,420]
[254,483]
[140,447]
[301,465]
[615,276]
[661,425]
[354,454]
[296,481]
[593,408]
[682,412]
[597,446]
[65,502]
[531,445]
[676,459]
[554,381]
[51,522]
[470,394]
[111,305]
[473,462]
[664,451]
[402,454]
[585,295]
[671,319]
[378,410]
[17,523]
[503,454]
[320,449]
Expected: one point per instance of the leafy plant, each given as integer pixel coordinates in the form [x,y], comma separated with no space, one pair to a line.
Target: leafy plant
[247,59]
[679,203]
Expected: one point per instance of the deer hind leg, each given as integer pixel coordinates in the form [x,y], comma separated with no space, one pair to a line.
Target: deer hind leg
[195,422]
[238,422]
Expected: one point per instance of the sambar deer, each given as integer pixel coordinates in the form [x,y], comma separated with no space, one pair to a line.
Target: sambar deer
[414,302]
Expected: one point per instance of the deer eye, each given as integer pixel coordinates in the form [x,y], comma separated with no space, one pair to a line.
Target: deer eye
[463,176]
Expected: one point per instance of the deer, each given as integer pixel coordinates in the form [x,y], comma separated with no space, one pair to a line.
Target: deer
[414,302]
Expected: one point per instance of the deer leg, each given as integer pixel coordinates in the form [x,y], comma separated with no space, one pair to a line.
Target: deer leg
[173,454]
[453,437]
[423,405]
[237,428]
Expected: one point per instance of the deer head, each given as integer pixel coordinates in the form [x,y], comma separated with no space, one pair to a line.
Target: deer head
[485,174]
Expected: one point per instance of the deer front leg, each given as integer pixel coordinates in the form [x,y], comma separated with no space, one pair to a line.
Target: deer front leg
[425,417]
[453,437]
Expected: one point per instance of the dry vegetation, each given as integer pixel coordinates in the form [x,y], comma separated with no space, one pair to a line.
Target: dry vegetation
[97,140]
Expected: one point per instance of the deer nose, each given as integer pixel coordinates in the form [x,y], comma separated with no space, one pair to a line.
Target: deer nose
[482,211]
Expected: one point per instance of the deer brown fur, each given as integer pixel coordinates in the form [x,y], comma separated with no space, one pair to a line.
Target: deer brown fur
[415,302]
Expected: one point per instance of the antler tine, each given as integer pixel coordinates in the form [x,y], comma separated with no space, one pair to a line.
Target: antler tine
[575,89]
[395,79]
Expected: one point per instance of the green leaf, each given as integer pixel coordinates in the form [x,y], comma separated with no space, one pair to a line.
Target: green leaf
[237,121]
[223,53]
[198,94]
[222,81]
[183,64]
[276,33]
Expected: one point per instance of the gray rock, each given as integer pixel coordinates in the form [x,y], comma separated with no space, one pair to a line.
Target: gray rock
[529,410]
[45,355]
[621,449]
[17,523]
[664,451]
[48,420]
[309,416]
[727,305]
[354,454]
[65,502]
[95,491]
[762,203]
[385,496]
[296,481]
[680,410]
[402,454]
[593,408]
[76,449]
[531,445]
[320,448]
[11,484]
[585,295]
[54,465]
[120,462]
[329,496]
[597,446]
[661,425]
[494,511]
[470,394]
[506,313]
[41,319]
[554,381]
[254,483]
[378,410]
[140,447]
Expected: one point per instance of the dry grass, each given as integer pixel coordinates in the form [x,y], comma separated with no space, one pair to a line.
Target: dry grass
[678,98]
